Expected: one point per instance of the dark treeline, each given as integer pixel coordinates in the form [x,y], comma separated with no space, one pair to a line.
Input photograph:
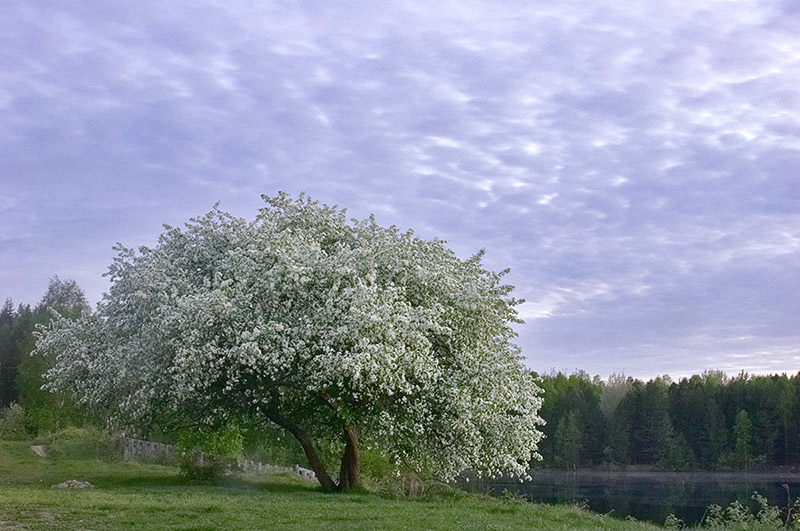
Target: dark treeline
[709,421]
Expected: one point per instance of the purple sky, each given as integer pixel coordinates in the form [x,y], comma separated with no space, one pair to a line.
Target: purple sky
[636,164]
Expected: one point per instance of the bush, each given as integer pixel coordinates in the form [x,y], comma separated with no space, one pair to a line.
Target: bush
[43,419]
[206,453]
[738,517]
[81,443]
[12,422]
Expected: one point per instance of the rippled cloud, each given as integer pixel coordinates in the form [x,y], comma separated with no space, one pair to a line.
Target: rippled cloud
[634,164]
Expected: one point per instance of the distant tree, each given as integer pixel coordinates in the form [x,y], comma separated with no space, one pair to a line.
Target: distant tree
[577,392]
[743,437]
[674,451]
[9,355]
[677,425]
[760,396]
[697,418]
[764,407]
[44,410]
[614,390]
[17,327]
[787,410]
[7,314]
[64,297]
[568,440]
[616,450]
[343,334]
[21,375]
[650,424]
[793,442]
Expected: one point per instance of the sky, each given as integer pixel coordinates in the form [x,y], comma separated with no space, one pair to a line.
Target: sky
[635,164]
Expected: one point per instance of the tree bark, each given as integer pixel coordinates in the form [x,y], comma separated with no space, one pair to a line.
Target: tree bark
[350,471]
[309,449]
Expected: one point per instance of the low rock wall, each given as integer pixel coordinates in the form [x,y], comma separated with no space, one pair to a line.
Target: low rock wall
[136,449]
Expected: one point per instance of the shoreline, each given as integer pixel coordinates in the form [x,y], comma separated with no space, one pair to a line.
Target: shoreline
[656,476]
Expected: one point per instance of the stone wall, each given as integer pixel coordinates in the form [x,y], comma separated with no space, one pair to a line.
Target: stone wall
[138,450]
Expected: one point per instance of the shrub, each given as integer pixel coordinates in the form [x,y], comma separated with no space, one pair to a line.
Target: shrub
[12,422]
[738,517]
[81,443]
[673,522]
[206,453]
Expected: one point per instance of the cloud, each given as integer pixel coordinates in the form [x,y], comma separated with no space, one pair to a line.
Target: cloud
[634,164]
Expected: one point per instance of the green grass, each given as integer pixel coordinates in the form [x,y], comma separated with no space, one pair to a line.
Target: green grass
[146,496]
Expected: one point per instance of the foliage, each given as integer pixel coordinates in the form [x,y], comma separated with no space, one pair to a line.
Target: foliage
[737,516]
[696,415]
[80,443]
[613,391]
[344,334]
[743,436]
[21,373]
[64,297]
[12,422]
[16,327]
[207,453]
[271,445]
[673,522]
[707,421]
[578,394]
[675,453]
[568,440]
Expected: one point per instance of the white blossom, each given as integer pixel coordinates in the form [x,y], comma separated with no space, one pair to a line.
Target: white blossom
[328,322]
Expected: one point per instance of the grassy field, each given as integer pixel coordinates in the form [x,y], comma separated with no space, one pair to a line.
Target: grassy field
[147,496]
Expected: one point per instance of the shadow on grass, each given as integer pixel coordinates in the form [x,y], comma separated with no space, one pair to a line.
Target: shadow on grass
[166,480]
[287,488]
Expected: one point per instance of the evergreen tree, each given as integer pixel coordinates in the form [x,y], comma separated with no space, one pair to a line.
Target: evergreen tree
[577,392]
[697,419]
[568,440]
[617,443]
[743,437]
[9,355]
[651,426]
[7,314]
[786,408]
[674,451]
[679,425]
[17,327]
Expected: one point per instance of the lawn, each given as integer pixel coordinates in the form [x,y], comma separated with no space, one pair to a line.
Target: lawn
[148,496]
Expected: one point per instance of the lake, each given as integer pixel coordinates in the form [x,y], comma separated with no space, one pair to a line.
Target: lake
[647,495]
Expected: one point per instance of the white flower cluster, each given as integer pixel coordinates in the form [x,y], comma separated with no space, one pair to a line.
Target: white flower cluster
[326,322]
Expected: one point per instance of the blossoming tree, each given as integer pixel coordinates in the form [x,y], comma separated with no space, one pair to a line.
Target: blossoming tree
[344,334]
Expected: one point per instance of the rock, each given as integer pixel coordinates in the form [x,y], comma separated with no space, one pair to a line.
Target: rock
[74,484]
[39,450]
[305,473]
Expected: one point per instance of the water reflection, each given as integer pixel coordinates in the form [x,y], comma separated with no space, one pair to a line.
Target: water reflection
[647,495]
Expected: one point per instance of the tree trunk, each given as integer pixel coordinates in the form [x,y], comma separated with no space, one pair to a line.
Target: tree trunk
[786,442]
[350,472]
[309,449]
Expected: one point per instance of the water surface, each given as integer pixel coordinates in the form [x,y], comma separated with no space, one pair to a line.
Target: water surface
[648,495]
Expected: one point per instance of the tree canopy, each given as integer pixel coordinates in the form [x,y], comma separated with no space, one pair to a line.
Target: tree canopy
[20,374]
[707,421]
[343,333]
